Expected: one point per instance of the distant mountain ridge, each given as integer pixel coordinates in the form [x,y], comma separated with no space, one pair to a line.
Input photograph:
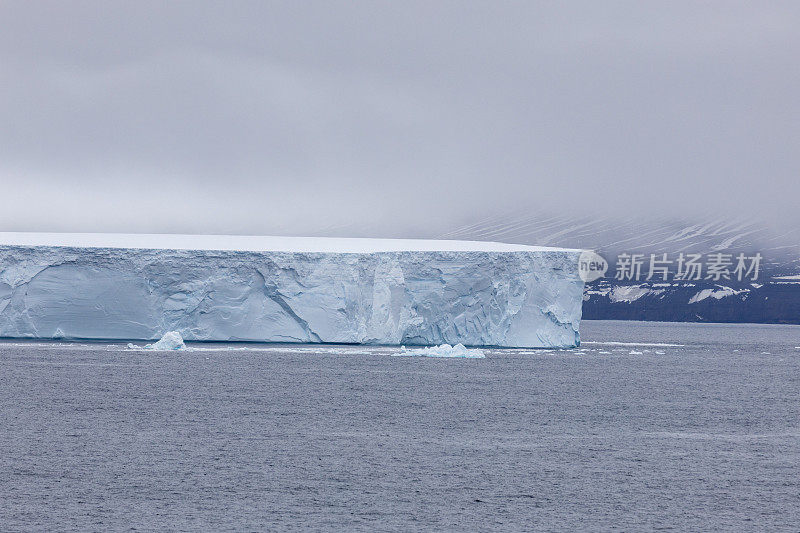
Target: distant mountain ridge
[773,297]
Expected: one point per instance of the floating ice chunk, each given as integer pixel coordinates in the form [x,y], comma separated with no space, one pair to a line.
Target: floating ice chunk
[443,350]
[171,340]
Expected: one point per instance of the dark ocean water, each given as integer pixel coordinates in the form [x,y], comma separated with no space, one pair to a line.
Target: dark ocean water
[703,436]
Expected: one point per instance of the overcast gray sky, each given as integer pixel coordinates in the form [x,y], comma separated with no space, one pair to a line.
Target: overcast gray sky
[400,118]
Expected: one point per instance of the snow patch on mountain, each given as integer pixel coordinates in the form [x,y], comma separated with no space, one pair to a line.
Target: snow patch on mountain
[794,278]
[718,294]
[631,293]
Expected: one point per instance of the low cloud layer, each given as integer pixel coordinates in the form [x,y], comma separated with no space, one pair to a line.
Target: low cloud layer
[392,118]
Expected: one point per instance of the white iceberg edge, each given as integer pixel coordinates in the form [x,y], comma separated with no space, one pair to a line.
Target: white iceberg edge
[442,350]
[288,290]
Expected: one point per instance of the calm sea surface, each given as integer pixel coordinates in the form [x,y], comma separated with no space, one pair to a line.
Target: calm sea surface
[690,427]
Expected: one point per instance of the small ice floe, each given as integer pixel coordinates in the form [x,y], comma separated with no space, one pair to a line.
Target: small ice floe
[635,344]
[171,340]
[443,350]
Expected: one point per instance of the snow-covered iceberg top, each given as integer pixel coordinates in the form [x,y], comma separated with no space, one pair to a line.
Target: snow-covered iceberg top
[288,289]
[253,243]
[443,350]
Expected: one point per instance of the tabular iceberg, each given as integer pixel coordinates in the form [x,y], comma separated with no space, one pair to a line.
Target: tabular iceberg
[288,289]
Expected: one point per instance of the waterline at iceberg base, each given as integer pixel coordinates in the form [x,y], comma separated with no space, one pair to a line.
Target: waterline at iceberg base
[281,289]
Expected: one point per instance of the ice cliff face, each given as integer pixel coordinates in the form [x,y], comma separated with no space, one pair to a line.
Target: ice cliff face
[517,297]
